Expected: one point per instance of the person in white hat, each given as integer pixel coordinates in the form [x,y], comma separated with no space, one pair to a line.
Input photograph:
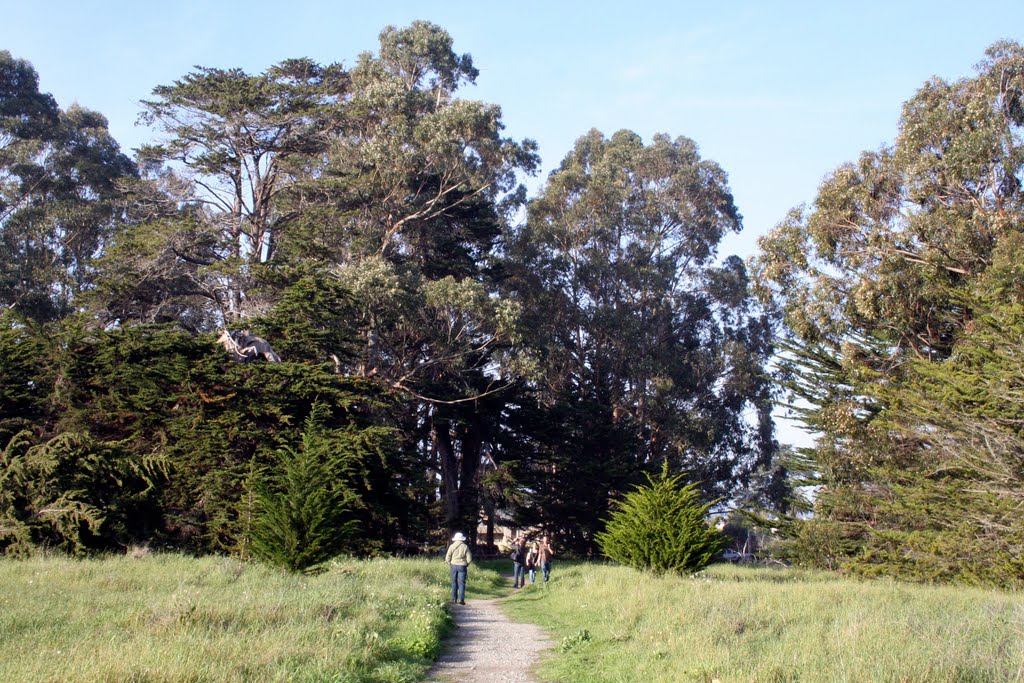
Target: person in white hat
[458,558]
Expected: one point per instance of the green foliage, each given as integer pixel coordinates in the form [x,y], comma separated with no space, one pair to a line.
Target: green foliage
[71,493]
[646,347]
[360,219]
[949,509]
[59,172]
[25,113]
[147,405]
[905,364]
[27,373]
[212,419]
[313,319]
[567,458]
[408,207]
[662,527]
[304,502]
[937,530]
[206,215]
[574,640]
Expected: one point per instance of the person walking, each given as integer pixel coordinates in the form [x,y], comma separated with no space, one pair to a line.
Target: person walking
[544,556]
[458,558]
[531,561]
[519,553]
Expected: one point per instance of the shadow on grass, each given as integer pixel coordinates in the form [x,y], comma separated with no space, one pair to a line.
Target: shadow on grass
[530,596]
[489,579]
[492,579]
[717,571]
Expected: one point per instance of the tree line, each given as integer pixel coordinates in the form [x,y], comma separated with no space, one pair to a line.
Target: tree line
[455,350]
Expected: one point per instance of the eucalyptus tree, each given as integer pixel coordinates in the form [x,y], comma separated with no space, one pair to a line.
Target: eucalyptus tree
[886,270]
[28,120]
[376,180]
[408,211]
[658,350]
[59,173]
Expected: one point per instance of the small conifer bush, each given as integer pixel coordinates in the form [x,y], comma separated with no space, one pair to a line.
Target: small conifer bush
[303,506]
[662,528]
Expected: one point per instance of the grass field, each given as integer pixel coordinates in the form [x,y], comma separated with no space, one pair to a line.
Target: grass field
[742,624]
[173,618]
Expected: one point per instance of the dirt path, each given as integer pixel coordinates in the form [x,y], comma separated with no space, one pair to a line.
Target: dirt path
[488,648]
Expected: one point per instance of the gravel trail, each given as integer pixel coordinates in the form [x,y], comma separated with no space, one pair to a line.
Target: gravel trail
[488,648]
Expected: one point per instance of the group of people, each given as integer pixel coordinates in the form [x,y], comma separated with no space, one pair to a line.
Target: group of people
[525,560]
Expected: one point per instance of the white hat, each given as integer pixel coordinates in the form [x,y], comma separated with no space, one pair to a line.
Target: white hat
[458,536]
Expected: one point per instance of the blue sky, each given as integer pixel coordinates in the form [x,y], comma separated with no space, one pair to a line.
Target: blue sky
[778,93]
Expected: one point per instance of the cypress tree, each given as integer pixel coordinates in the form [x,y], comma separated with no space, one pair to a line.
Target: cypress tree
[662,528]
[303,507]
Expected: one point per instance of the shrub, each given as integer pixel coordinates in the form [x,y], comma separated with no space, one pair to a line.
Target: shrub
[304,506]
[662,528]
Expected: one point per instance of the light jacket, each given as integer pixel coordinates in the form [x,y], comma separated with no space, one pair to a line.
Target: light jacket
[458,554]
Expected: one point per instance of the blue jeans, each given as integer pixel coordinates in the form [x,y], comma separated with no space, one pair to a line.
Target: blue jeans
[533,574]
[458,582]
[545,568]
[518,574]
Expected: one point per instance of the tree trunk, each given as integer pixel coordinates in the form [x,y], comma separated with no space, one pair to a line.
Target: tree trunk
[442,440]
[471,441]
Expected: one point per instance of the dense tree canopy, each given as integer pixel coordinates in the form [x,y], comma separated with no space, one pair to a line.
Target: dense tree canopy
[456,353]
[407,209]
[652,348]
[886,283]
[452,352]
[208,212]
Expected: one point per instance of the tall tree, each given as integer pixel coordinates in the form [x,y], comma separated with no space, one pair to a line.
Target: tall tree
[59,174]
[637,324]
[208,215]
[888,270]
[408,210]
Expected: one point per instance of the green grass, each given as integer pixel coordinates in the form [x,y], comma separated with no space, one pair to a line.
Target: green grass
[173,618]
[488,579]
[761,625]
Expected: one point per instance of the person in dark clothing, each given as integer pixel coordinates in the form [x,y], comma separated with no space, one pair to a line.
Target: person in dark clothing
[519,553]
[532,561]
